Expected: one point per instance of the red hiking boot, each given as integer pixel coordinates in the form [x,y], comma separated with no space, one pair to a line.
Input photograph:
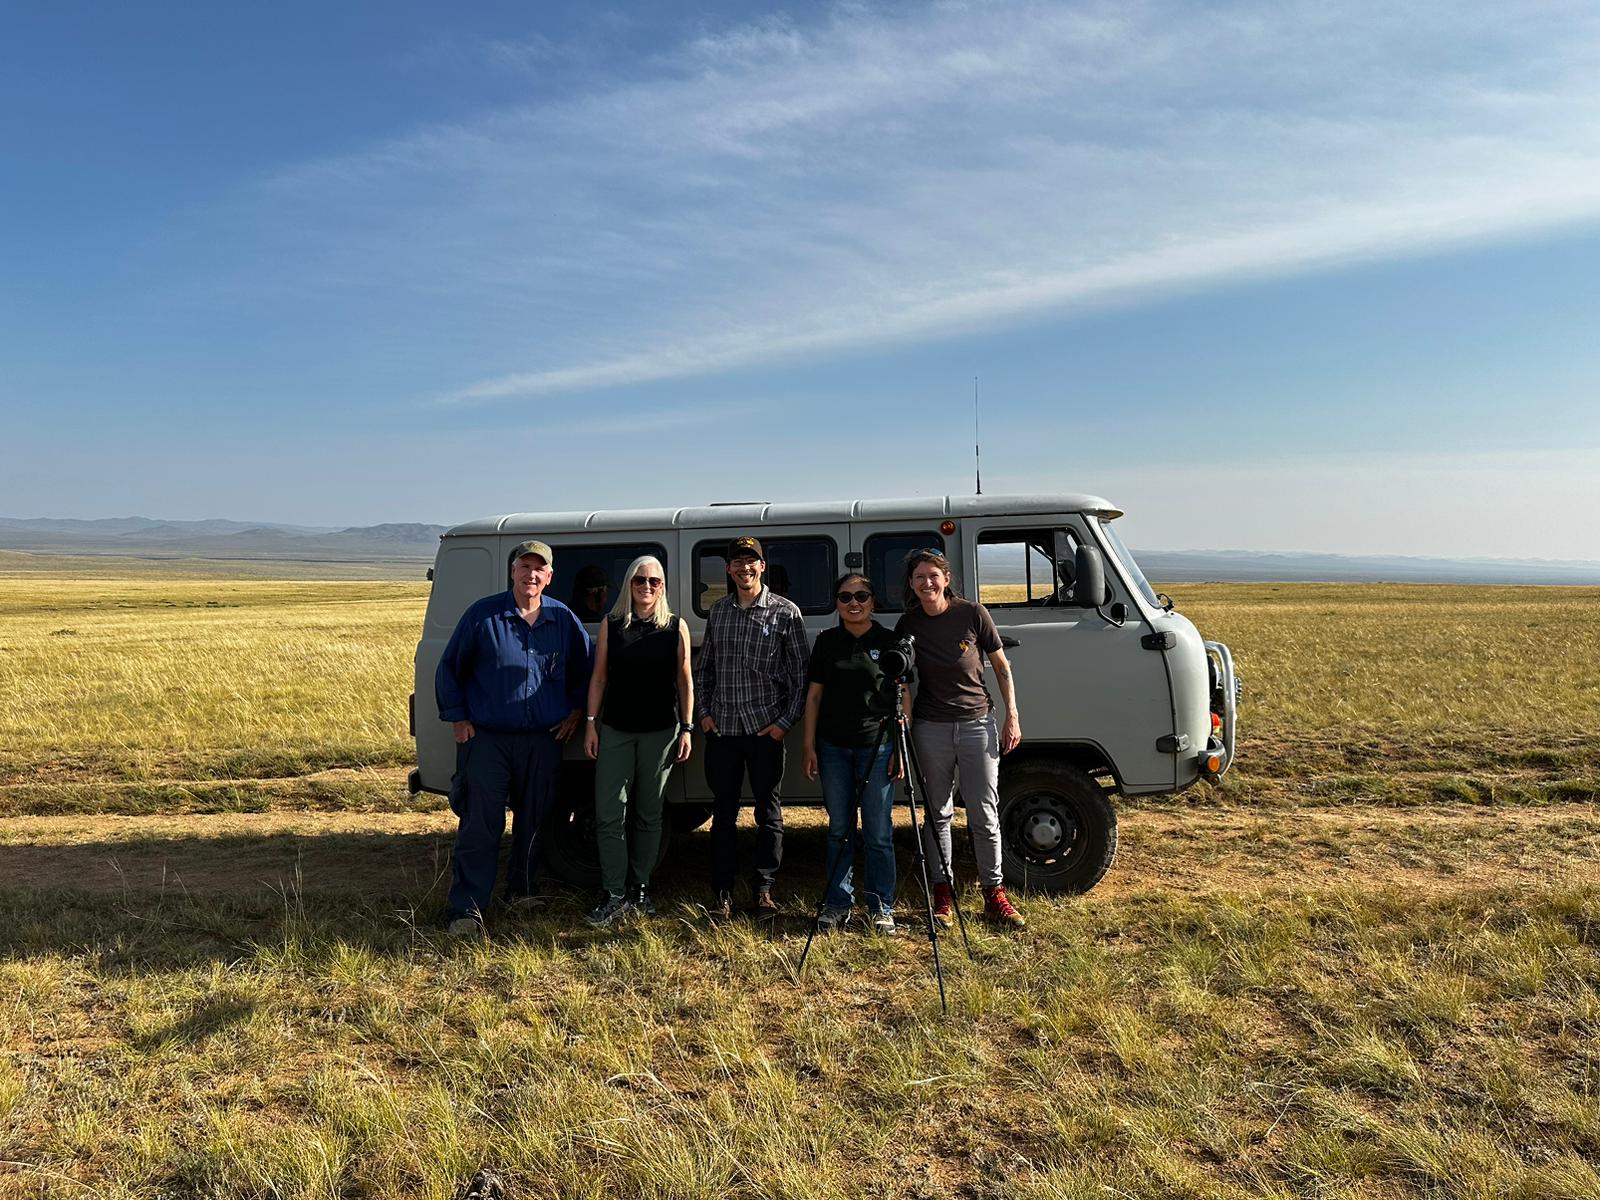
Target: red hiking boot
[944,901]
[998,909]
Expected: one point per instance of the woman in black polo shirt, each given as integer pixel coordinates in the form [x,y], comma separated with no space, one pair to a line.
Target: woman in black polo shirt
[847,698]
[640,700]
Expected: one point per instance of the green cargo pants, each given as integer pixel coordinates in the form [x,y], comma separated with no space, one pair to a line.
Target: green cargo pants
[640,762]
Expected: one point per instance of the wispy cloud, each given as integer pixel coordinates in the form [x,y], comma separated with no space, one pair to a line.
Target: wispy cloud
[635,422]
[779,190]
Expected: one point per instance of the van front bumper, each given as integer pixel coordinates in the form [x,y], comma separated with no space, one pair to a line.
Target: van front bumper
[1226,688]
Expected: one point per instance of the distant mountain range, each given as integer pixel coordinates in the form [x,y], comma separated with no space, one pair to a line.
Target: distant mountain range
[142,537]
[1191,566]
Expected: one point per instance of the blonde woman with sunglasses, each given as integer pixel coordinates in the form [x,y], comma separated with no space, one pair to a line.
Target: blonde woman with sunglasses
[641,697]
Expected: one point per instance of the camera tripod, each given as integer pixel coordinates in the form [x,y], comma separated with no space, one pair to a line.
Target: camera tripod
[914,780]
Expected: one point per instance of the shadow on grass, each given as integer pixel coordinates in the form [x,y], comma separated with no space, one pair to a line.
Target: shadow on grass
[179,901]
[211,1016]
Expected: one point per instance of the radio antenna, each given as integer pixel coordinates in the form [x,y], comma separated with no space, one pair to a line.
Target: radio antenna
[977,442]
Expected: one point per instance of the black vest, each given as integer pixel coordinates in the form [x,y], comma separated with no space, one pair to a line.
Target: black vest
[641,676]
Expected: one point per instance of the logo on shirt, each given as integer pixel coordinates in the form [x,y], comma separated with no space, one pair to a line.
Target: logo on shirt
[963,647]
[873,655]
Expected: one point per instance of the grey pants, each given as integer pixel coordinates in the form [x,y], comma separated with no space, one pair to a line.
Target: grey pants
[972,750]
[640,762]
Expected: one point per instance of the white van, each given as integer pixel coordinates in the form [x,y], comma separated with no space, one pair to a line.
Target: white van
[1118,692]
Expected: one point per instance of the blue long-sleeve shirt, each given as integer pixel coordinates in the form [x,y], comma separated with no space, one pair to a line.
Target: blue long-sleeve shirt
[508,676]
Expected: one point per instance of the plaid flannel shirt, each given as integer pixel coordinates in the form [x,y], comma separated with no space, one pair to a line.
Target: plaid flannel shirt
[751,670]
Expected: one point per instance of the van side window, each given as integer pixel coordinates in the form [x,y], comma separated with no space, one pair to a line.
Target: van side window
[885,555]
[1016,567]
[800,568]
[589,578]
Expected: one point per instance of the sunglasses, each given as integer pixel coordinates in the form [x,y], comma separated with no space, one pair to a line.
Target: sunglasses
[645,581]
[858,597]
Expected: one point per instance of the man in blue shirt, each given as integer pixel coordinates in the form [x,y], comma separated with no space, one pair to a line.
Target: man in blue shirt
[512,682]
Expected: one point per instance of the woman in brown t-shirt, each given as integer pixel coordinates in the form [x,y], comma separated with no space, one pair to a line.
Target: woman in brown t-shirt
[954,727]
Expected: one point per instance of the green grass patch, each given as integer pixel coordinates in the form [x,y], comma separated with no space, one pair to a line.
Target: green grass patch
[1341,1043]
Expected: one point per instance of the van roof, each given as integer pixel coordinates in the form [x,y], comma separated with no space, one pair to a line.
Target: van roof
[816,512]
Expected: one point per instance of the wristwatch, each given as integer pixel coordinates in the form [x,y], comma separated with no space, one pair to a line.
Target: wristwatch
[685,728]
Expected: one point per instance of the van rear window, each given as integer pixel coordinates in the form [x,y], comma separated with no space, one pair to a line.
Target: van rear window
[886,555]
[800,568]
[588,577]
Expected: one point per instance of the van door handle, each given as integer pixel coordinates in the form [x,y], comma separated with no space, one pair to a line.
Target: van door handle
[1009,642]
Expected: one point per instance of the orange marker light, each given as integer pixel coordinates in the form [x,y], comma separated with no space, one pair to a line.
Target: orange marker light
[947,527]
[1213,763]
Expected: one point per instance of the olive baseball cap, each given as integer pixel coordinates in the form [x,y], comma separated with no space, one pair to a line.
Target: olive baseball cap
[538,548]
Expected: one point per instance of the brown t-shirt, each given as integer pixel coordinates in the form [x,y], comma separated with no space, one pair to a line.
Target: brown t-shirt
[950,660]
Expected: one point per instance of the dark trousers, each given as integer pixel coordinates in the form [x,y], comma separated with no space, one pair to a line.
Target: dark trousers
[728,758]
[496,772]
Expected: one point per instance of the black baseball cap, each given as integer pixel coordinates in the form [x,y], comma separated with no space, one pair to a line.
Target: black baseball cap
[745,547]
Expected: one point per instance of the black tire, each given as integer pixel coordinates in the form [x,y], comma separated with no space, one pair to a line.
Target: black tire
[1058,830]
[686,818]
[571,853]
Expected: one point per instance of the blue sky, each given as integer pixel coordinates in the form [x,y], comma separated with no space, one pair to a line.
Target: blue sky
[1268,275]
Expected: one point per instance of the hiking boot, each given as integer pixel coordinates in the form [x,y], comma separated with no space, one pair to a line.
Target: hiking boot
[882,923]
[998,909]
[485,1185]
[526,902]
[463,926]
[721,908]
[944,902]
[641,900]
[832,918]
[608,911]
[763,906]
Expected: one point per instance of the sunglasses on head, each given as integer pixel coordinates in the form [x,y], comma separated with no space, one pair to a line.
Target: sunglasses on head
[858,597]
[647,581]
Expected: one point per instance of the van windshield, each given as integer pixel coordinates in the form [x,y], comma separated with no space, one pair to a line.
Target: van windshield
[1109,534]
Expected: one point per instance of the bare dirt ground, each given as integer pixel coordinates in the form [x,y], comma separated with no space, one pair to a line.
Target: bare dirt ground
[1176,849]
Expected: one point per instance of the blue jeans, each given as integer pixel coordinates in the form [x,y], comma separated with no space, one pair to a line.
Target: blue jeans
[841,768]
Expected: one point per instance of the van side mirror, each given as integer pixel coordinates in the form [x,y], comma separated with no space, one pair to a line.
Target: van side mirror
[1088,578]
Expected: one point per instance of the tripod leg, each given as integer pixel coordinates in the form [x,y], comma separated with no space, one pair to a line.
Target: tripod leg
[927,894]
[913,776]
[914,771]
[837,863]
[816,919]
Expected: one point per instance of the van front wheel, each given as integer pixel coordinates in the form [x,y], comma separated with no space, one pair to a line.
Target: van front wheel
[1058,831]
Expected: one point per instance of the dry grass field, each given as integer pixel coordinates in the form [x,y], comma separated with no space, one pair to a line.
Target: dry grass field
[1368,965]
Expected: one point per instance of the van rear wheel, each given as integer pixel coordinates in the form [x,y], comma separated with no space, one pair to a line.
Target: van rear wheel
[571,853]
[686,818]
[1058,831]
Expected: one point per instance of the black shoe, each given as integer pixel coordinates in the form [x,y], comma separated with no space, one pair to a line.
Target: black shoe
[640,899]
[831,919]
[762,906]
[608,910]
[721,908]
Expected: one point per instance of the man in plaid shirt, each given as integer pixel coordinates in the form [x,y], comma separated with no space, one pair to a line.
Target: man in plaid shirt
[749,688]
